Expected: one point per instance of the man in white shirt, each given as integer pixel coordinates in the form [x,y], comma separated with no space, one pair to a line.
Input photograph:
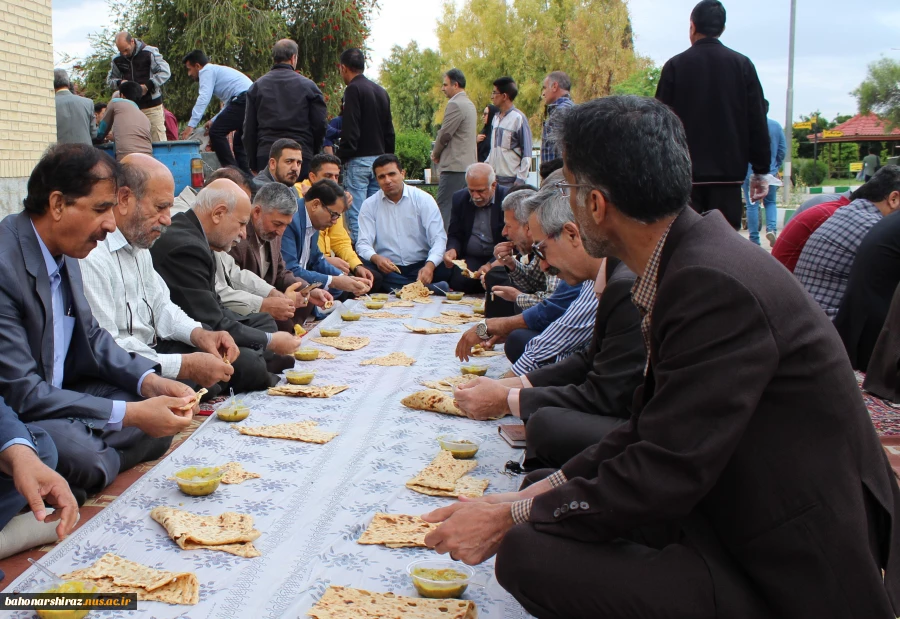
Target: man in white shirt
[401,231]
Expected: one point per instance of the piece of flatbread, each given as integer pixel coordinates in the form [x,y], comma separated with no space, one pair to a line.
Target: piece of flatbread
[451,320]
[457,314]
[304,431]
[415,292]
[235,473]
[443,472]
[465,301]
[347,603]
[434,401]
[195,401]
[307,391]
[343,343]
[113,574]
[431,330]
[386,315]
[230,532]
[479,351]
[449,383]
[466,272]
[397,531]
[393,359]
[392,304]
[466,486]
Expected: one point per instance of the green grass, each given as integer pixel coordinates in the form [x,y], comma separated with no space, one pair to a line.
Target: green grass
[840,182]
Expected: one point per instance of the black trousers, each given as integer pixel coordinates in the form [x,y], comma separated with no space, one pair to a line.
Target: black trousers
[725,197]
[460,283]
[554,435]
[516,342]
[497,307]
[231,118]
[250,369]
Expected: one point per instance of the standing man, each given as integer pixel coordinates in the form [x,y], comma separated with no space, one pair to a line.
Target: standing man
[871,164]
[230,87]
[283,104]
[454,149]
[717,95]
[555,93]
[511,136]
[129,125]
[366,133]
[778,146]
[75,119]
[138,62]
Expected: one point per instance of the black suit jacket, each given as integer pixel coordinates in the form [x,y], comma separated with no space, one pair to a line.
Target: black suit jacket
[184,260]
[462,220]
[602,379]
[883,373]
[367,129]
[750,420]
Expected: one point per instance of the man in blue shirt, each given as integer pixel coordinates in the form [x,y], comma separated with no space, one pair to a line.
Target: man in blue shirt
[230,87]
[779,150]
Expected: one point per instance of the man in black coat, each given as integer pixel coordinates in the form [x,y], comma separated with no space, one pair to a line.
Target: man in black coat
[749,481]
[717,95]
[183,257]
[283,104]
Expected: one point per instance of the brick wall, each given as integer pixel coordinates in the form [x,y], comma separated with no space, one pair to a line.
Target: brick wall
[27,109]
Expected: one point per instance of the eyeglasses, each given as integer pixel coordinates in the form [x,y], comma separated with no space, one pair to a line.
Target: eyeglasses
[334,216]
[538,248]
[129,314]
[564,187]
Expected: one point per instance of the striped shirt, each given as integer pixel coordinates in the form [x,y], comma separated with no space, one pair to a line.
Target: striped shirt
[511,145]
[565,336]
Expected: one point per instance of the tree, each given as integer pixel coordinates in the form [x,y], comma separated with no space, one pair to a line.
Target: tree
[642,82]
[412,78]
[880,91]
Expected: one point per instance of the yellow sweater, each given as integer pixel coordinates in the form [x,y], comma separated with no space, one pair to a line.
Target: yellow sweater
[336,239]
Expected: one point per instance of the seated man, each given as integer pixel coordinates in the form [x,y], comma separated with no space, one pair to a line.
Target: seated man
[883,371]
[824,264]
[131,301]
[719,497]
[572,404]
[476,226]
[60,370]
[184,258]
[131,125]
[789,244]
[401,231]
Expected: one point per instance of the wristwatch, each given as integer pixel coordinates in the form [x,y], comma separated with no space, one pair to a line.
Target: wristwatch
[481,330]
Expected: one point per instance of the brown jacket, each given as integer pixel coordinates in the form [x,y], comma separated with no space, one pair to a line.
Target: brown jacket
[246,255]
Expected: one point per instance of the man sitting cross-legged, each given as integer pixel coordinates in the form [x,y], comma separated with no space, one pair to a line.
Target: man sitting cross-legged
[59,369]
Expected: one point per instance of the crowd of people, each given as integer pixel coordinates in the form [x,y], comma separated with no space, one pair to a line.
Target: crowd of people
[696,440]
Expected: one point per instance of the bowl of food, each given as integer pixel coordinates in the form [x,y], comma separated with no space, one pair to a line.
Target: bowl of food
[437,578]
[461,446]
[199,480]
[476,370]
[330,332]
[351,316]
[233,411]
[478,309]
[66,587]
[306,354]
[374,305]
[299,377]
[455,296]
[379,296]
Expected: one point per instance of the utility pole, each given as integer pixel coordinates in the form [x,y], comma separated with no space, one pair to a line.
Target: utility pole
[789,122]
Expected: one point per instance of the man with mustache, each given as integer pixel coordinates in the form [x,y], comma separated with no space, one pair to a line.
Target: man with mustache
[131,301]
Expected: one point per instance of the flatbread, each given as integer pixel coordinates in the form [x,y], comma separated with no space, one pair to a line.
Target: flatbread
[343,343]
[328,305]
[457,314]
[466,272]
[113,574]
[386,315]
[230,532]
[393,359]
[307,391]
[431,330]
[434,401]
[443,472]
[464,301]
[479,351]
[451,320]
[304,431]
[415,292]
[347,603]
[397,531]
[467,486]
[449,383]
[392,304]
[195,401]
[235,473]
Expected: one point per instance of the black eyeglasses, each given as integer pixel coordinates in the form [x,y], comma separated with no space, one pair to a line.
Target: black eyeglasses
[334,216]
[538,248]
[129,314]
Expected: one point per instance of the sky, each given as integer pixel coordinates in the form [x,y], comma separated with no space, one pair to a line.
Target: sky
[835,40]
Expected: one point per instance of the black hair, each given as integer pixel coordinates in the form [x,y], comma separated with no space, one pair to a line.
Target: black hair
[353,59]
[321,159]
[195,57]
[280,145]
[708,18]
[549,167]
[73,170]
[873,150]
[237,176]
[99,107]
[284,50]
[385,160]
[766,104]
[507,86]
[493,110]
[605,144]
[326,191]
[885,182]
[131,91]
[455,75]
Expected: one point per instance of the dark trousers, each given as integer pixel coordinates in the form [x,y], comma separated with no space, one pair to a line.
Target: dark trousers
[725,198]
[497,307]
[516,342]
[250,371]
[448,184]
[407,275]
[459,282]
[11,502]
[231,118]
[554,435]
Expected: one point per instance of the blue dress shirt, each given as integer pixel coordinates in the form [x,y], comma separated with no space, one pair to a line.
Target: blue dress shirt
[223,82]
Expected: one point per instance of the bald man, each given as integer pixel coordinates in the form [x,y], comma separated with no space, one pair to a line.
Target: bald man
[217,222]
[141,63]
[476,226]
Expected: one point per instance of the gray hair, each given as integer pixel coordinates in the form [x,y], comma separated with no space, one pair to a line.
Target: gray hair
[552,209]
[60,79]
[562,80]
[514,202]
[210,197]
[473,169]
[135,178]
[277,197]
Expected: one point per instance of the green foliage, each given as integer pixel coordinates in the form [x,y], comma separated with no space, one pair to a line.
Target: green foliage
[641,82]
[880,91]
[412,78]
[413,149]
[812,173]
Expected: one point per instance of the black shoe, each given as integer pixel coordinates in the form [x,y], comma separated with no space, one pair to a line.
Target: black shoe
[80,495]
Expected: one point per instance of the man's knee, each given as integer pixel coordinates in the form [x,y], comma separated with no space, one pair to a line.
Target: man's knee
[46,448]
[536,476]
[514,560]
[250,371]
[516,343]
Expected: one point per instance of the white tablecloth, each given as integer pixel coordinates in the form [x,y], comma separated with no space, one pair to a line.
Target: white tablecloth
[313,501]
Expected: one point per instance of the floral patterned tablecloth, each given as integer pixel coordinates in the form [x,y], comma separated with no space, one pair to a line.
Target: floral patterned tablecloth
[313,501]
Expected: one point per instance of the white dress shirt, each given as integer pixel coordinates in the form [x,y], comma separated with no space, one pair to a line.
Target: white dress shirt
[406,232]
[239,290]
[308,235]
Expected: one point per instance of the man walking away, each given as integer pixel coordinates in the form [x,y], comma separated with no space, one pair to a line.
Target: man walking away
[778,146]
[555,93]
[511,136]
[454,149]
[141,63]
[75,120]
[367,132]
[230,87]
[717,95]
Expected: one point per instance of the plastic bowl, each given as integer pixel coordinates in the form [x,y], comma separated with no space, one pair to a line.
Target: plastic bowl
[455,296]
[461,446]
[374,305]
[306,354]
[478,309]
[199,481]
[235,411]
[477,370]
[350,316]
[440,579]
[379,296]
[297,377]
[330,332]
[69,586]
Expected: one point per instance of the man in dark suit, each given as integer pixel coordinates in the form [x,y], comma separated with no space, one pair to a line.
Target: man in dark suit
[883,372]
[476,226]
[60,369]
[183,257]
[749,481]
[717,95]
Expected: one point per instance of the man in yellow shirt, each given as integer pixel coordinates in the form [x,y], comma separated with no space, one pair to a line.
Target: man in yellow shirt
[334,242]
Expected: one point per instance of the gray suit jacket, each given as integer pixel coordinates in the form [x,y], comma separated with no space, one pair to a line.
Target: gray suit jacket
[455,145]
[26,337]
[75,120]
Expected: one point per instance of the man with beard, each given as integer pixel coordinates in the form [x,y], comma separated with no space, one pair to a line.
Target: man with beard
[131,301]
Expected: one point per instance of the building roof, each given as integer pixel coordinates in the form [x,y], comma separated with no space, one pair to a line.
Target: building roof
[861,128]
